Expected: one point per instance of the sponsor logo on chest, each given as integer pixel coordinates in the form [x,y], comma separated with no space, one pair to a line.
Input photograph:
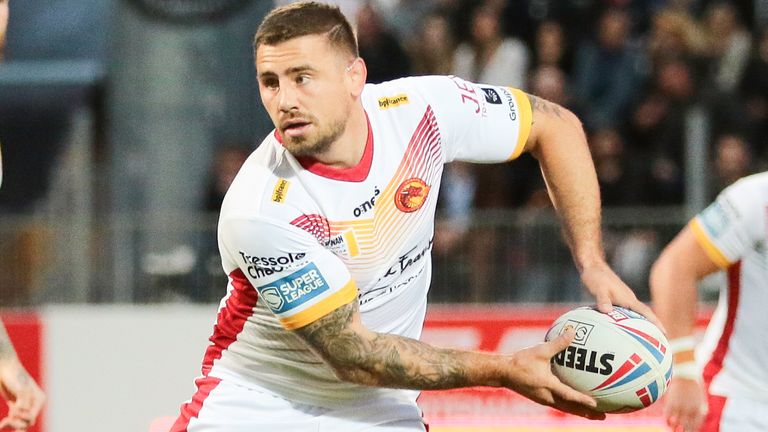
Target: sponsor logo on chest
[393,101]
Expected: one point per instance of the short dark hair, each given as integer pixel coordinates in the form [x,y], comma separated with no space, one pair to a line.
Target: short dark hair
[306,18]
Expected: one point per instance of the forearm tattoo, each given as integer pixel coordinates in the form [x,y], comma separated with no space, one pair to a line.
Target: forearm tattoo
[383,360]
[544,106]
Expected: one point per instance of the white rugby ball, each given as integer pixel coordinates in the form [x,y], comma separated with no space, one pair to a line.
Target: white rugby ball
[621,359]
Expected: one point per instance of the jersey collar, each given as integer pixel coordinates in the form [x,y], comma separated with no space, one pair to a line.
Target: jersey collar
[356,173]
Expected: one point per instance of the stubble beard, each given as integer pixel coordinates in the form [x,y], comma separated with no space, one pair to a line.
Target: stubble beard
[305,147]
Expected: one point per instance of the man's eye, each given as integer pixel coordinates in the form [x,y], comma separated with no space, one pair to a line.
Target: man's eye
[271,84]
[302,79]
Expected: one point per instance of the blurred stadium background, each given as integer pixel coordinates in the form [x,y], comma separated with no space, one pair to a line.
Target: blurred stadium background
[123,121]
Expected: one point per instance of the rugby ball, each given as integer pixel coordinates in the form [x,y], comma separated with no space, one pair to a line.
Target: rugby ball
[621,359]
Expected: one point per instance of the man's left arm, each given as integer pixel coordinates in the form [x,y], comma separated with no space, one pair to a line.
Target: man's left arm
[558,142]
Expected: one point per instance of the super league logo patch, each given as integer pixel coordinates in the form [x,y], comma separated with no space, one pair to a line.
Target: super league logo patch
[294,290]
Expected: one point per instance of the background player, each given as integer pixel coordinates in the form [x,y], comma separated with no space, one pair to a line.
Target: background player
[326,232]
[25,399]
[722,387]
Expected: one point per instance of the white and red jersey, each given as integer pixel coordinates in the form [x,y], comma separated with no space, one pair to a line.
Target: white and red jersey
[299,240]
[733,232]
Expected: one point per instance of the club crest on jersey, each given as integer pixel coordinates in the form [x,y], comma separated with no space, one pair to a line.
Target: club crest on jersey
[411,195]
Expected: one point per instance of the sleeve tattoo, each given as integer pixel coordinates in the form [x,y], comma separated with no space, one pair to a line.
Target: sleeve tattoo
[382,360]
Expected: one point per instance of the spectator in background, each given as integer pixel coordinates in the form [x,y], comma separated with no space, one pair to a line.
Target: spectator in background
[406,16]
[622,184]
[729,44]
[754,94]
[226,164]
[607,71]
[385,57]
[550,47]
[552,84]
[733,160]
[432,50]
[675,34]
[616,169]
[489,57]
[656,131]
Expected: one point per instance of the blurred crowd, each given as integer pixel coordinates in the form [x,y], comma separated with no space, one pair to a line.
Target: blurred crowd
[632,70]
[637,72]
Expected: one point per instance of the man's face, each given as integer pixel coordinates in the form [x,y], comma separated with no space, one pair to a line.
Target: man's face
[305,88]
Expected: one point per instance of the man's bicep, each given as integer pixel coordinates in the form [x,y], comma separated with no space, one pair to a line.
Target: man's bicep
[545,117]
[688,253]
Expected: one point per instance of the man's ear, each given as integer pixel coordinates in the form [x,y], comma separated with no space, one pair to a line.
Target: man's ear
[357,73]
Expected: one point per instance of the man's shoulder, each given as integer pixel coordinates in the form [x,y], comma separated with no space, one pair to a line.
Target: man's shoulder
[413,85]
[752,187]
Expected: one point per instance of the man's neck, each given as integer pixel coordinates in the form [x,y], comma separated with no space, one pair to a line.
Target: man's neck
[348,150]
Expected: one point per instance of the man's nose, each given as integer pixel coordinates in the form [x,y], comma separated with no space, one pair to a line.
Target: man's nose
[288,98]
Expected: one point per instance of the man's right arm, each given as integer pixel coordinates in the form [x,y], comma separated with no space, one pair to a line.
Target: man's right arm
[361,356]
[673,282]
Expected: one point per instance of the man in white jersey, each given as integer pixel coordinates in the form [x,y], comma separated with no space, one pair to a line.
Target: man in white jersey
[326,235]
[25,399]
[720,384]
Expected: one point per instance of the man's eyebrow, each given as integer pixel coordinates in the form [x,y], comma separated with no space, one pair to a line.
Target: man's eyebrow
[298,69]
[267,74]
[290,71]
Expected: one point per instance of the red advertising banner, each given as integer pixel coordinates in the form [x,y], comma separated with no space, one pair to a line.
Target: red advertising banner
[506,329]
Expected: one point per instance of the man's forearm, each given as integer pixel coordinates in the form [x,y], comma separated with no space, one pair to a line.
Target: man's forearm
[6,347]
[567,167]
[386,360]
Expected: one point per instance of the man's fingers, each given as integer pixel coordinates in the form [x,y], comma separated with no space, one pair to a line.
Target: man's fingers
[647,312]
[579,410]
[559,343]
[10,423]
[604,303]
[573,396]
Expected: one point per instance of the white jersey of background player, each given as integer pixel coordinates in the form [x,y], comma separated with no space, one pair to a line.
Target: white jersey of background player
[730,362]
[326,234]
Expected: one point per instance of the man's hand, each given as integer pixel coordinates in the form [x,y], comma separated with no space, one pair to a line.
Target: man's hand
[534,380]
[25,398]
[608,290]
[685,407]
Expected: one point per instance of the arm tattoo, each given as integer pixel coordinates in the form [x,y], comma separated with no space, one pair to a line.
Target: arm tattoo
[383,360]
[544,106]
